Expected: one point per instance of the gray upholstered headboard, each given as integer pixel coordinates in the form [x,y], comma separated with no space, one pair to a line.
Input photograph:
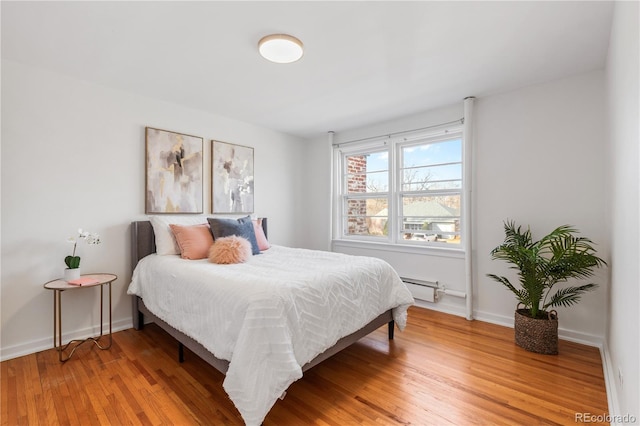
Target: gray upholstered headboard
[143,241]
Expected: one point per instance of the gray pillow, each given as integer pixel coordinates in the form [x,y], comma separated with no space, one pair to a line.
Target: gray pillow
[242,227]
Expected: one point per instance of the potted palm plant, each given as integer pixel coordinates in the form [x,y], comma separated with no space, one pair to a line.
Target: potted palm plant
[557,257]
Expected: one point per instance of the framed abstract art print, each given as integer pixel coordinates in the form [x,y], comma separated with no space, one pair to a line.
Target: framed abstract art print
[174,163]
[231,178]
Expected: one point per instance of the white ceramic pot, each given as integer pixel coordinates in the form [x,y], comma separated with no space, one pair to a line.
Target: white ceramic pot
[71,274]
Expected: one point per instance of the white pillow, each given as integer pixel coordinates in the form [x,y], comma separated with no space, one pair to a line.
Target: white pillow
[165,240]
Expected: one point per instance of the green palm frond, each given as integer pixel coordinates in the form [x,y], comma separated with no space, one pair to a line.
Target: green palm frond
[521,295]
[568,296]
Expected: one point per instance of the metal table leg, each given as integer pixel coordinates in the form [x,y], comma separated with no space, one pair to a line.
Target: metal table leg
[57,327]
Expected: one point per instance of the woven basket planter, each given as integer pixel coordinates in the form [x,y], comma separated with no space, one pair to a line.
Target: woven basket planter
[537,335]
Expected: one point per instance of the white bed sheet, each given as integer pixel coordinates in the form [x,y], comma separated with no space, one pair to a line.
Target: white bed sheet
[270,316]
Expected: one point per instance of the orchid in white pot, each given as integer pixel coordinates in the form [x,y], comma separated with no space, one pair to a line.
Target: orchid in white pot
[72,261]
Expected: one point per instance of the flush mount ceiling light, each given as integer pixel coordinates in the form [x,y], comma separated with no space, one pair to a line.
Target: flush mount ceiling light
[280,48]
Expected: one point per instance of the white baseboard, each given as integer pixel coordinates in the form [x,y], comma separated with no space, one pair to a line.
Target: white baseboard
[441,307]
[38,345]
[610,384]
[493,318]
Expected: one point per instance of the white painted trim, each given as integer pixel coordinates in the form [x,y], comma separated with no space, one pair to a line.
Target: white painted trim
[503,320]
[445,308]
[401,248]
[38,345]
[610,383]
[582,338]
[467,210]
[332,189]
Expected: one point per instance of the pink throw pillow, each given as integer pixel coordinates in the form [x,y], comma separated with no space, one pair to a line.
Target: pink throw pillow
[263,244]
[231,249]
[194,241]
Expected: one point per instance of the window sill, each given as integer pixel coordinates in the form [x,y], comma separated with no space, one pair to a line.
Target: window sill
[401,248]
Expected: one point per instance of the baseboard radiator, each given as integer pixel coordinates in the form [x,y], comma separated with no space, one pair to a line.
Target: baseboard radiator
[429,291]
[423,290]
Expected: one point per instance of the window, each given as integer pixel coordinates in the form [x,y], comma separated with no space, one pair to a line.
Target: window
[402,191]
[366,199]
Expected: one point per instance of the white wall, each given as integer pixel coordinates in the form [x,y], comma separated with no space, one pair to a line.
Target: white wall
[539,161]
[73,156]
[623,338]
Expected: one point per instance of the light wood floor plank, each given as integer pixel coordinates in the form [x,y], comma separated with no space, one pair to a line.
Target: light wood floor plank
[442,370]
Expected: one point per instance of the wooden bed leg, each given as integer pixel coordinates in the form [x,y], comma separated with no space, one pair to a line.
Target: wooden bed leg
[391,328]
[180,352]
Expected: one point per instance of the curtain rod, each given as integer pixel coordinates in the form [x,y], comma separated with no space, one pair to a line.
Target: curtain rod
[460,120]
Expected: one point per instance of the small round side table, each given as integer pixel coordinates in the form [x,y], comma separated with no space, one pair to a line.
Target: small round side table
[58,286]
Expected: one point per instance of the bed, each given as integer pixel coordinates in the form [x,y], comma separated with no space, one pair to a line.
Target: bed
[267,322]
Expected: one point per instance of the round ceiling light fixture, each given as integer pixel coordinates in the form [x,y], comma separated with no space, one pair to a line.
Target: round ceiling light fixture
[280,48]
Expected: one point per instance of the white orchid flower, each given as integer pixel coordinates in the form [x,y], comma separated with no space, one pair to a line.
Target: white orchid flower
[89,237]
[92,238]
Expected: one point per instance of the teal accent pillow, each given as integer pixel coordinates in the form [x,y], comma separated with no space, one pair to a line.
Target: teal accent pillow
[242,227]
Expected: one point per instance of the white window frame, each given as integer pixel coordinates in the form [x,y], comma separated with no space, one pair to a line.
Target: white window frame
[393,146]
[345,196]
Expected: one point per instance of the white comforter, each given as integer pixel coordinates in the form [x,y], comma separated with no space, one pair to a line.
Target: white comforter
[271,315]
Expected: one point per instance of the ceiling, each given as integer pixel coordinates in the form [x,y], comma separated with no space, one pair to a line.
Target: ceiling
[364,62]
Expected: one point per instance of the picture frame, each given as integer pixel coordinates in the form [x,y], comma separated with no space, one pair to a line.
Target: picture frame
[174,172]
[232,179]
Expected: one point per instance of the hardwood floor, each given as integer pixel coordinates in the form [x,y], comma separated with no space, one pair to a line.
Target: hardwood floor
[442,370]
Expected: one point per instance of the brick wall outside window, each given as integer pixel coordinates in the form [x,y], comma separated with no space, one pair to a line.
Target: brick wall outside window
[357,183]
